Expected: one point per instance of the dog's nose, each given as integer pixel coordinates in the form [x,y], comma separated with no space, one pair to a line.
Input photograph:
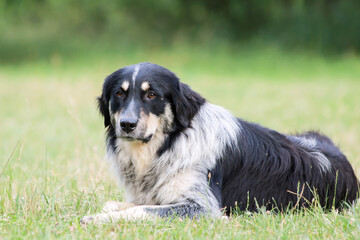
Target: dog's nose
[128,124]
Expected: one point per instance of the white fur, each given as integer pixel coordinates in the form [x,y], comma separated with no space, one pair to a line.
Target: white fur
[311,144]
[197,150]
[176,186]
[145,86]
[324,162]
[303,141]
[211,130]
[181,171]
[125,85]
[113,206]
[135,73]
[131,214]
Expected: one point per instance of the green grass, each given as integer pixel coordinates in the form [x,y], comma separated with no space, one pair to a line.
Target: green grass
[52,137]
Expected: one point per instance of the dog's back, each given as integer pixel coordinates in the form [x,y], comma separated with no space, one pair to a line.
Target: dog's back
[285,171]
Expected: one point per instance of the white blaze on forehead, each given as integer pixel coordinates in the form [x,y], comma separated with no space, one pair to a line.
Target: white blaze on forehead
[135,73]
[125,85]
[145,86]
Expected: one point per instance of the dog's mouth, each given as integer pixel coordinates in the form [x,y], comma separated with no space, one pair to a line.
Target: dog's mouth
[132,139]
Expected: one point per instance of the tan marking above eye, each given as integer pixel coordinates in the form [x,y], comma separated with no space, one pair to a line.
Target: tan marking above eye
[125,85]
[145,86]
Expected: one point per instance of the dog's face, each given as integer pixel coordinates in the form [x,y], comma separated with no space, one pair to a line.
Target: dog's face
[140,99]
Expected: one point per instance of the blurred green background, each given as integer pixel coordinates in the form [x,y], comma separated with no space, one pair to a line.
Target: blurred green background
[290,65]
[43,29]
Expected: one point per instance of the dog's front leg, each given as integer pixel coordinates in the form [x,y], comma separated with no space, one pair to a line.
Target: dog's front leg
[113,206]
[132,214]
[144,212]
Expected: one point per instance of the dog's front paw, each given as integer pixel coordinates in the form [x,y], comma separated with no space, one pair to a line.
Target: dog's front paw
[96,219]
[86,220]
[130,214]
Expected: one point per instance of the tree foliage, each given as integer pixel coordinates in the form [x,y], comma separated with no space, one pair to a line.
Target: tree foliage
[320,24]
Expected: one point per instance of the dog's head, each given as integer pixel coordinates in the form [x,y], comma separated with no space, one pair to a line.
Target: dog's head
[138,100]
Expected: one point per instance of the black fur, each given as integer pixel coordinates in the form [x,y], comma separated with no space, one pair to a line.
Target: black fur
[271,170]
[261,168]
[186,104]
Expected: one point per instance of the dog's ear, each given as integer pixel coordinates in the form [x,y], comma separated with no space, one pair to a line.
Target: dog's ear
[186,103]
[103,100]
[103,106]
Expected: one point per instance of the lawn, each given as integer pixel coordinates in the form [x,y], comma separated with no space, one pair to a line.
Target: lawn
[52,170]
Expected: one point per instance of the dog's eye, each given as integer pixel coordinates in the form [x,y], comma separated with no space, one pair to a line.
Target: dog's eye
[151,94]
[120,93]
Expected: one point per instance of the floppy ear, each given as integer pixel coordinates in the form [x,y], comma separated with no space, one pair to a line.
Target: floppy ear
[187,103]
[103,100]
[103,106]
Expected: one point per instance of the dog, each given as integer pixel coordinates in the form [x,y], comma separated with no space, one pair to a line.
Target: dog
[178,155]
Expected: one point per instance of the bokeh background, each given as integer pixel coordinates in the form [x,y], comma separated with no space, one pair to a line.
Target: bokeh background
[289,65]
[38,29]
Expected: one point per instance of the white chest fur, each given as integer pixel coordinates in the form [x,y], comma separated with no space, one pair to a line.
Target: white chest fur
[140,155]
[152,179]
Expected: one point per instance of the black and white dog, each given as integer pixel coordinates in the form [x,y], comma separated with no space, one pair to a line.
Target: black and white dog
[177,154]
